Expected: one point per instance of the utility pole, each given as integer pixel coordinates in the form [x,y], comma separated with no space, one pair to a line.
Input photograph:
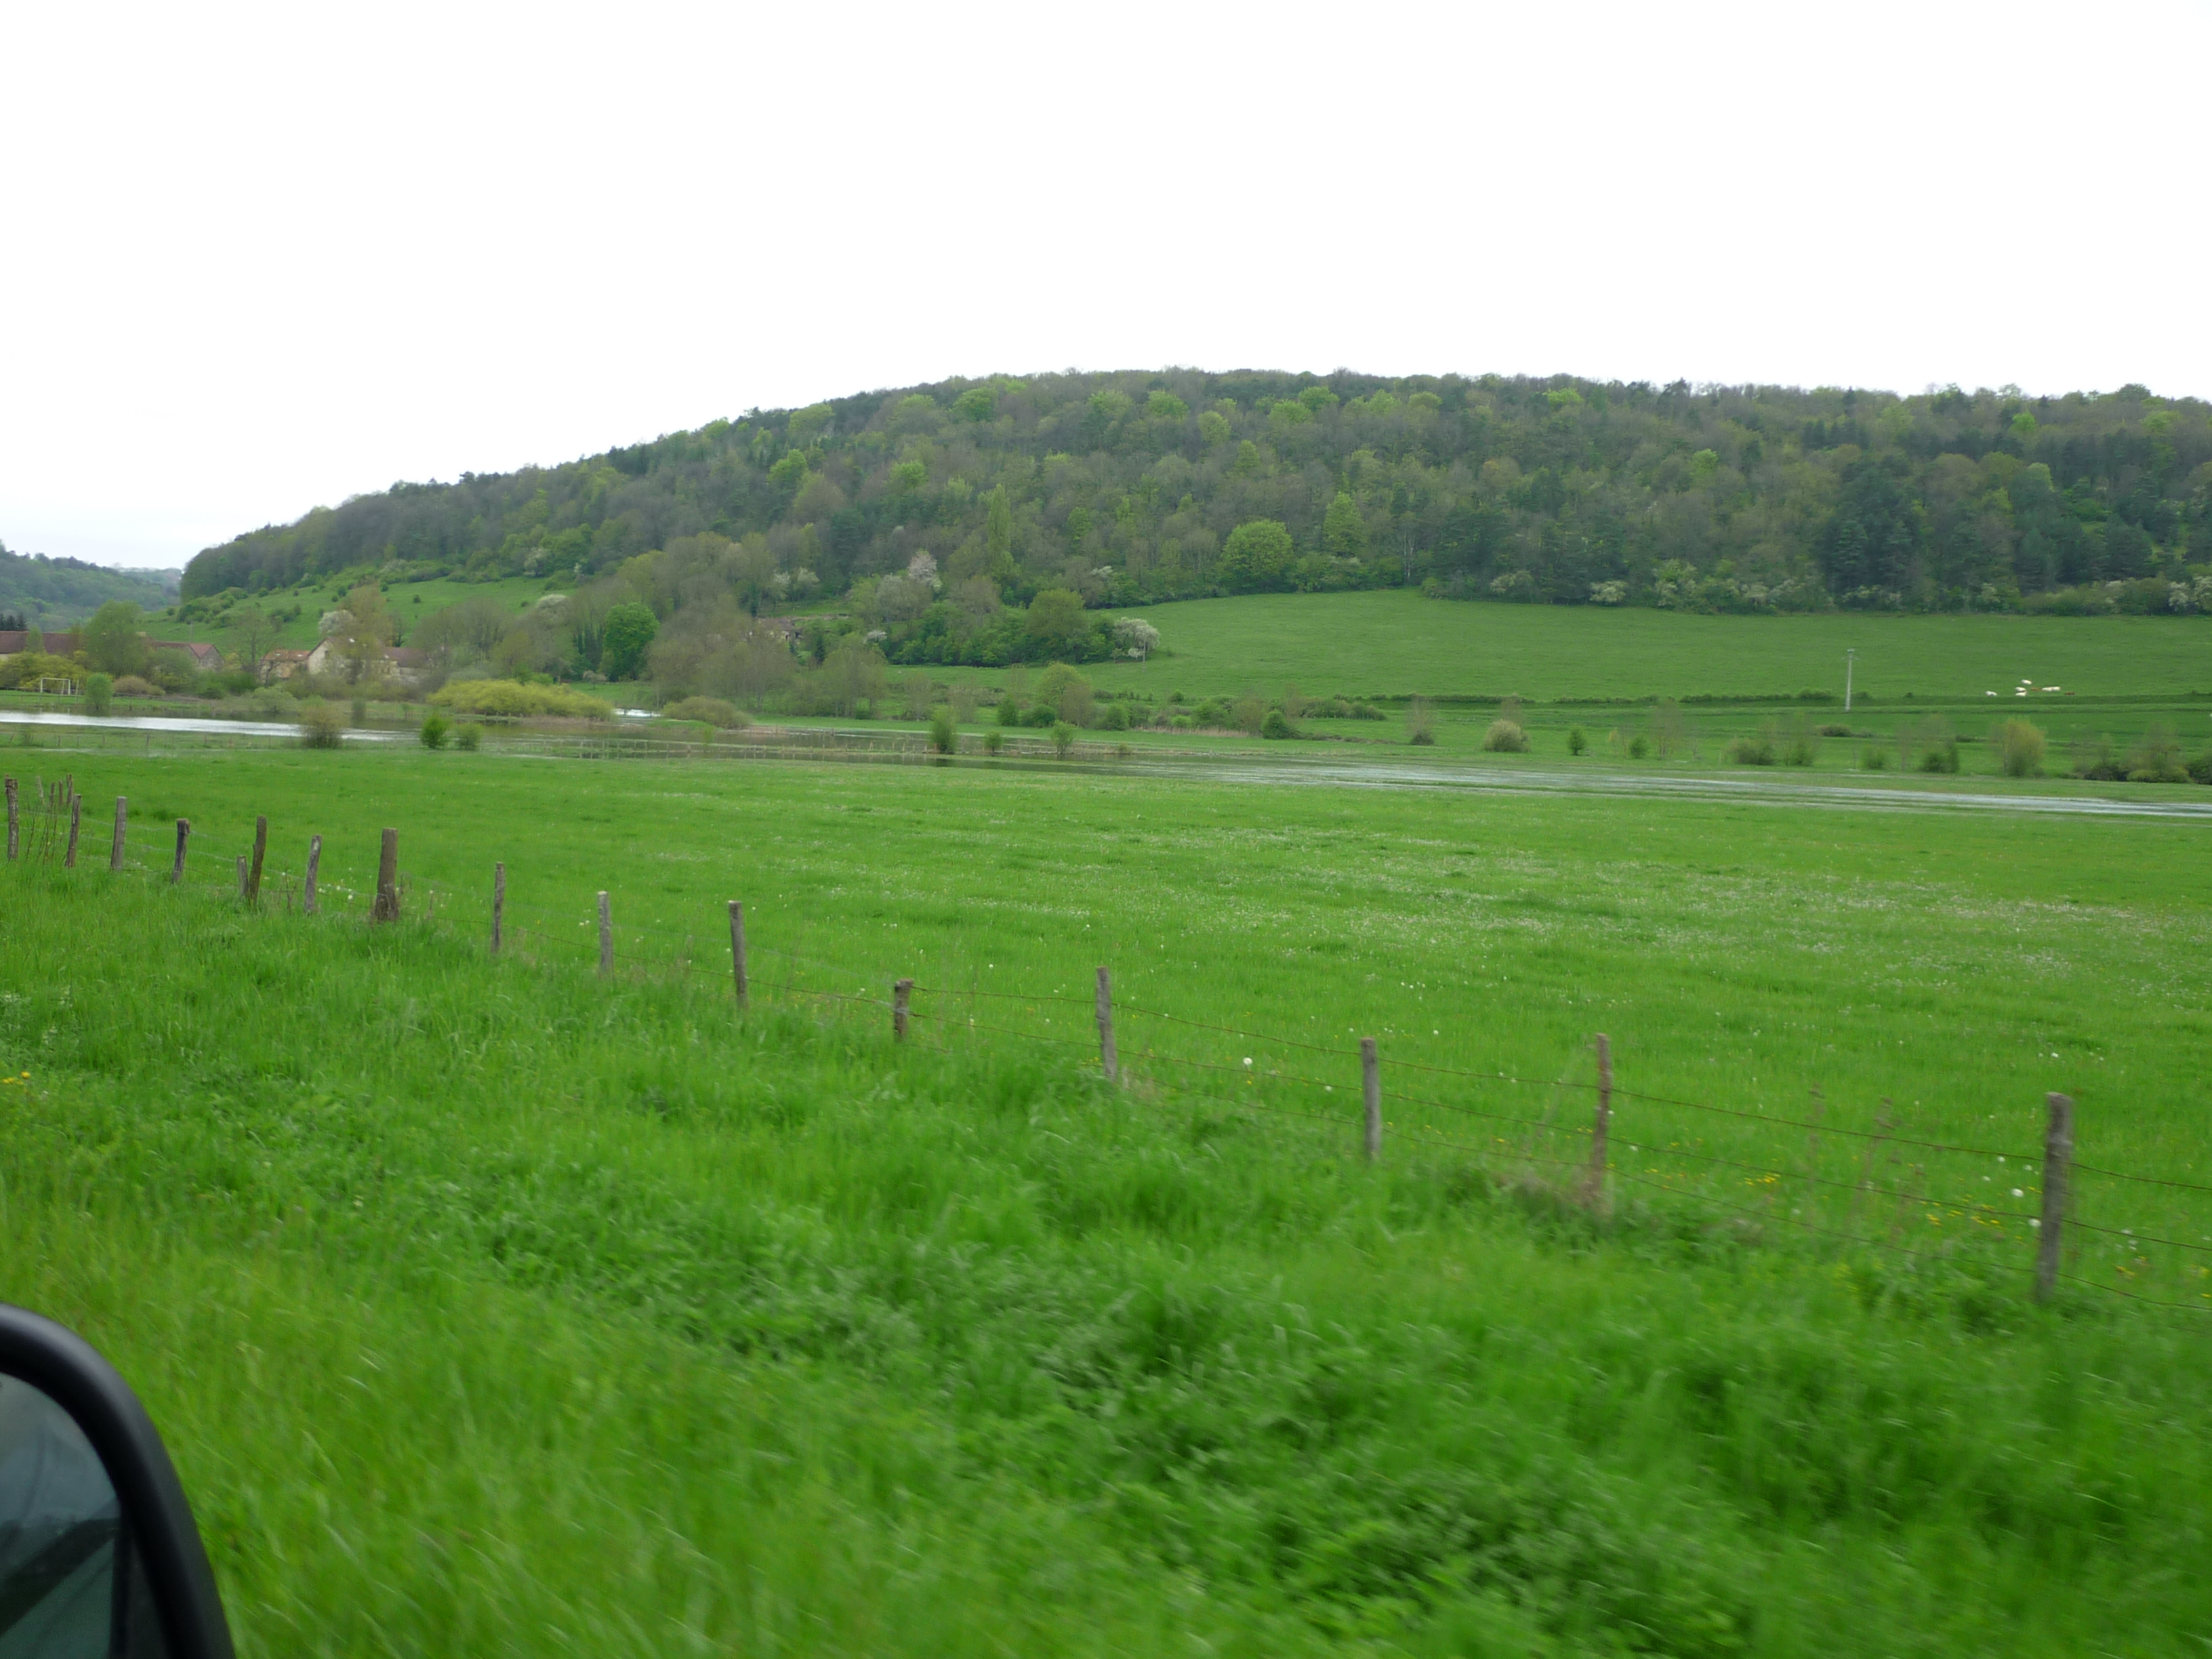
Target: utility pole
[1849,659]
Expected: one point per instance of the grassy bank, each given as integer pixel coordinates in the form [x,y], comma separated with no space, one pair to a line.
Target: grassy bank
[493,1306]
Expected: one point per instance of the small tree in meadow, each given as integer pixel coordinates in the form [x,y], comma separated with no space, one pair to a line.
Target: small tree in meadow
[1420,721]
[1063,738]
[1576,742]
[320,727]
[434,730]
[1506,737]
[944,732]
[2019,748]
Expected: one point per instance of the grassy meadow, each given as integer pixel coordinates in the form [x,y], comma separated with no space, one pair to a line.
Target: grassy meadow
[493,1306]
[1395,643]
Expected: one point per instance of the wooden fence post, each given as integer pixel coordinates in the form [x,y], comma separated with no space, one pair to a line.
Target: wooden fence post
[314,864]
[386,908]
[1108,1059]
[901,992]
[498,903]
[1601,1128]
[2057,1171]
[606,937]
[184,835]
[76,814]
[14,836]
[1370,1079]
[738,949]
[261,847]
[115,852]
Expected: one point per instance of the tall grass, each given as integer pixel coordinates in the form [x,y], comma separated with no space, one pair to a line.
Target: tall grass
[491,1306]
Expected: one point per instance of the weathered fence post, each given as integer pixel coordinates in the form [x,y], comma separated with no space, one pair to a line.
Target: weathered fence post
[606,937]
[498,903]
[386,908]
[184,835]
[738,949]
[314,864]
[242,878]
[901,992]
[1370,1079]
[1108,1059]
[1601,1125]
[261,847]
[2057,1172]
[115,852]
[14,836]
[76,815]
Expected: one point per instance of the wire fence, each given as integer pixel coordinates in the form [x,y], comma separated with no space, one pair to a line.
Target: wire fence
[2141,1237]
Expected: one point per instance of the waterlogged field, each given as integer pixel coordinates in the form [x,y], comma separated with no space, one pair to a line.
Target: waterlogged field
[498,1306]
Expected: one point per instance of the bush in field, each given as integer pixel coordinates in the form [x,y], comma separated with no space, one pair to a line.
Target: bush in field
[1277,726]
[1875,758]
[1935,746]
[1798,746]
[1249,715]
[944,732]
[515,700]
[2094,758]
[132,686]
[2156,757]
[2200,769]
[1420,721]
[1638,747]
[1063,739]
[470,737]
[2019,748]
[712,711]
[99,694]
[1114,718]
[1505,737]
[320,725]
[1576,742]
[361,711]
[1754,750]
[434,730]
[993,741]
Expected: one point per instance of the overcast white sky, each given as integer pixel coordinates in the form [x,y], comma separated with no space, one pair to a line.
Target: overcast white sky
[257,258]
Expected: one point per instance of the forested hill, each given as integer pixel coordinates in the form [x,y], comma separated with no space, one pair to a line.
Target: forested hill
[1130,487]
[54,593]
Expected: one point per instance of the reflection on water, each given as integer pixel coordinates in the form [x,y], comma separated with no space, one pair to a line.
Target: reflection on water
[171,723]
[58,1522]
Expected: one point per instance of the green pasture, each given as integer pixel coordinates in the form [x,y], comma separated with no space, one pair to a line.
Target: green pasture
[410,601]
[495,1306]
[1395,643]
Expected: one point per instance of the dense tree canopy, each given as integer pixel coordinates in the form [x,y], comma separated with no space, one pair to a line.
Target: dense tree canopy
[931,506]
[43,592]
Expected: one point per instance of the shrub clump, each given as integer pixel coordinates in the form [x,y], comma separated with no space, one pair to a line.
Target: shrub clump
[129,685]
[515,700]
[99,694]
[2019,748]
[1753,751]
[943,730]
[711,711]
[320,727]
[1420,721]
[1875,758]
[1506,737]
[434,730]
[2156,757]
[1063,738]
[469,737]
[1577,741]
[1277,726]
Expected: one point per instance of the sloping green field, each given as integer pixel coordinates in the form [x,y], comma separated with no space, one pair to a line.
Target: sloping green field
[1393,643]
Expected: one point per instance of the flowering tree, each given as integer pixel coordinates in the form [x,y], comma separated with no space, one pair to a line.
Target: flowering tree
[1136,637]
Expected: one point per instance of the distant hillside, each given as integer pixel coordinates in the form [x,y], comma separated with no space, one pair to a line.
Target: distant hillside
[1127,487]
[54,593]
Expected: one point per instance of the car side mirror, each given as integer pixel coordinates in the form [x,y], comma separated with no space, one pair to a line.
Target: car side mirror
[100,1557]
